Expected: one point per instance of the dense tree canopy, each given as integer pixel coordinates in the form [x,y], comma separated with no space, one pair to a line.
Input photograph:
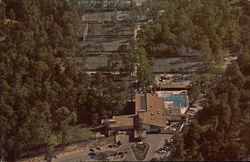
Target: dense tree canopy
[221,131]
[210,27]
[44,94]
[39,84]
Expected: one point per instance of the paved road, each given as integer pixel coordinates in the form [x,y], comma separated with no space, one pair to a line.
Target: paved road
[130,155]
[126,146]
[74,157]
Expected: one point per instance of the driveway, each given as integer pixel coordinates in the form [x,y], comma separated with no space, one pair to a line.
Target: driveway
[156,141]
[126,146]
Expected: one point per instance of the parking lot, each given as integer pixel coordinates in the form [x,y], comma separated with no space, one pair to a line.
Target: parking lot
[156,141]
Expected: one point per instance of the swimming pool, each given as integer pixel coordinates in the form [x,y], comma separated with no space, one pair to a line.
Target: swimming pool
[179,100]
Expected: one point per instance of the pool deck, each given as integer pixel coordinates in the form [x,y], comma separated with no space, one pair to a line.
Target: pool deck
[169,104]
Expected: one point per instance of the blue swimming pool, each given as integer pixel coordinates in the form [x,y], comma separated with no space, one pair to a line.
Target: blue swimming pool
[179,100]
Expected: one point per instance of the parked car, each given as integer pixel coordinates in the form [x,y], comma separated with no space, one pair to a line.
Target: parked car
[122,154]
[193,111]
[192,108]
[111,153]
[99,148]
[116,145]
[163,77]
[119,143]
[168,141]
[163,149]
[92,154]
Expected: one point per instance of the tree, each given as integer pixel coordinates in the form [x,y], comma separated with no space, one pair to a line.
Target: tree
[207,55]
[178,149]
[144,76]
[50,154]
[138,125]
[63,120]
[194,137]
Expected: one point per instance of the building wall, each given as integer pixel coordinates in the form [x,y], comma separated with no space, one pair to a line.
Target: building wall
[176,111]
[127,129]
[174,117]
[146,127]
[151,128]
[155,129]
[122,128]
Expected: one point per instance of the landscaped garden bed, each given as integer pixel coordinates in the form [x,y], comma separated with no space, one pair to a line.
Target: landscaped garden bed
[140,150]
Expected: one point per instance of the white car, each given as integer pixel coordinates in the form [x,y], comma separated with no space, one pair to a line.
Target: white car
[191,108]
[99,148]
[191,113]
[169,140]
[161,151]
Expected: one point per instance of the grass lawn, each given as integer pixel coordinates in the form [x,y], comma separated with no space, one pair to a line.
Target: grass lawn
[75,134]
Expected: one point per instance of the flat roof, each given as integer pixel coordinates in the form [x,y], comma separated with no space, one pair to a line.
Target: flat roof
[155,113]
[123,121]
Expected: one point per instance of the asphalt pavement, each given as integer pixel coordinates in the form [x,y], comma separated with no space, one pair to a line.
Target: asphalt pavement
[156,141]
[83,155]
